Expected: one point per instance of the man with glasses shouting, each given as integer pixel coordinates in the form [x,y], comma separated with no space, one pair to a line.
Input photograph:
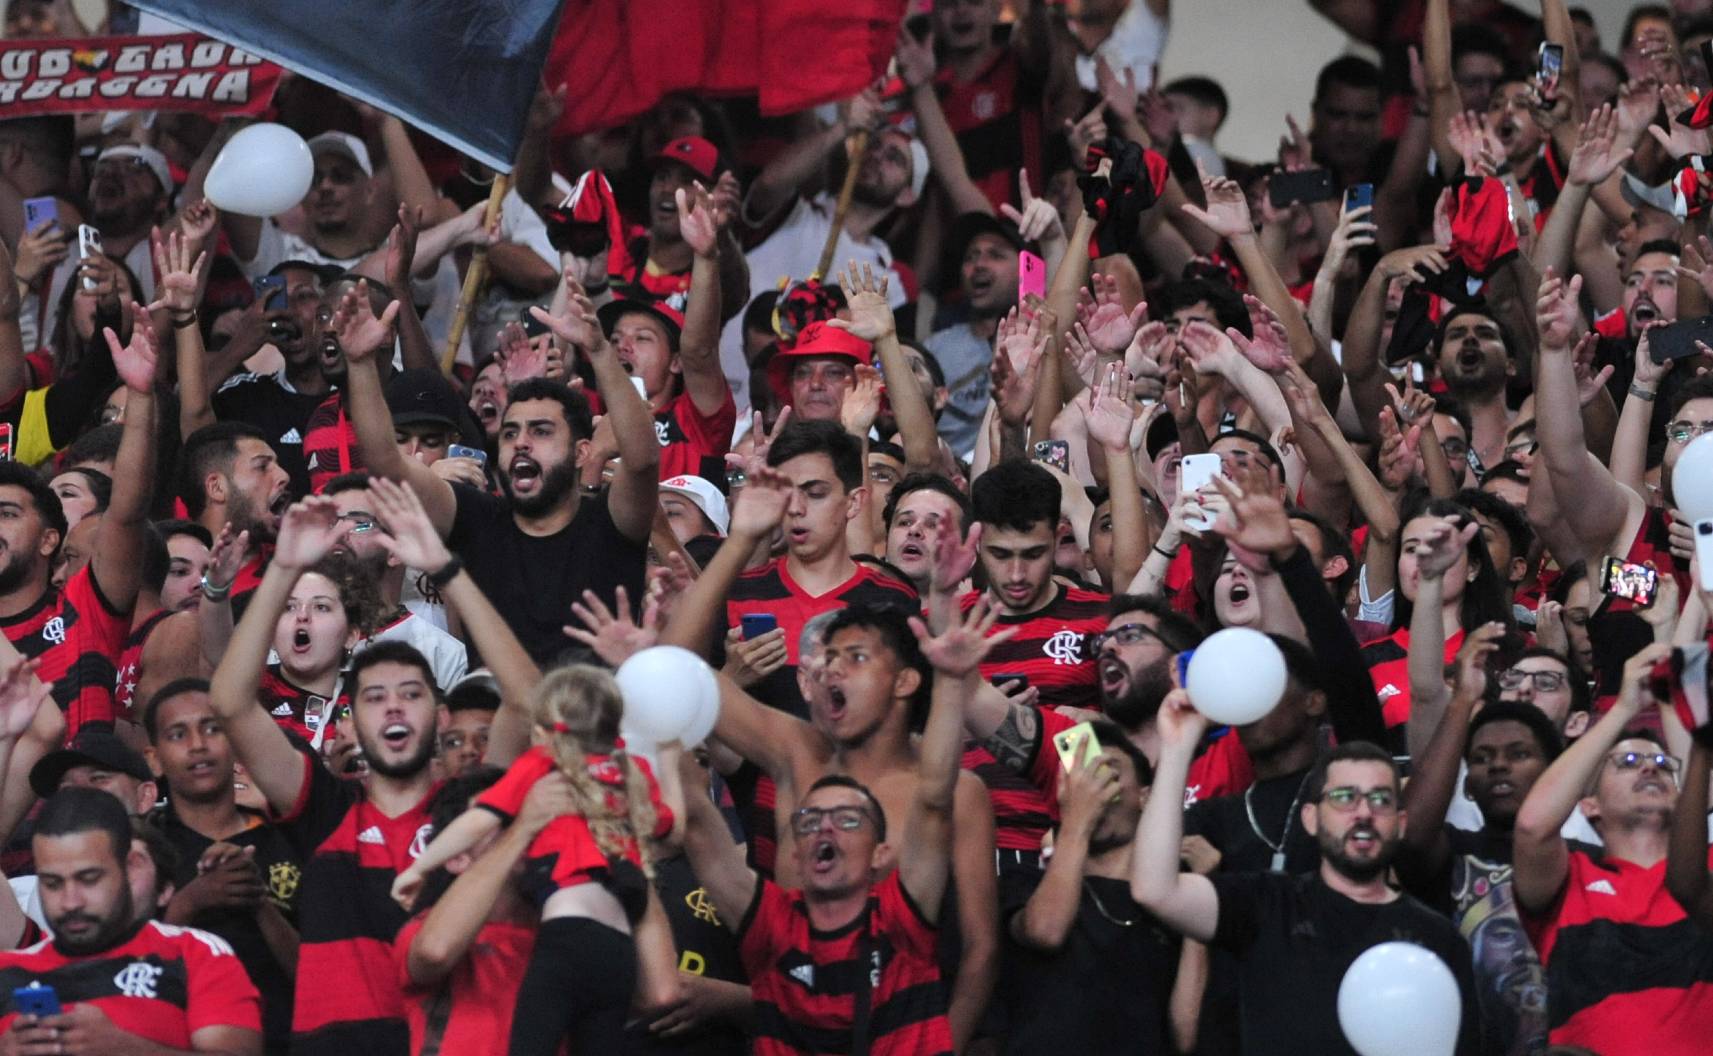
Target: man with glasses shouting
[1293,937]
[1623,962]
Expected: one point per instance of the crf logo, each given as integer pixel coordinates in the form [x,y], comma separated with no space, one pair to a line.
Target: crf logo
[419,842]
[662,434]
[54,630]
[138,979]
[1065,647]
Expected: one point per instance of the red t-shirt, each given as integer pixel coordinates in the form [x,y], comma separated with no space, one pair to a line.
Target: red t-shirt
[1625,968]
[803,980]
[164,983]
[564,853]
[1222,769]
[693,444]
[78,636]
[466,1013]
[131,668]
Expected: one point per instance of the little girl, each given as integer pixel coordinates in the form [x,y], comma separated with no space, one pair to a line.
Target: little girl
[589,871]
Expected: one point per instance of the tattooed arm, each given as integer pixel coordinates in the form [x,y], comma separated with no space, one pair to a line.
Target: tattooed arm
[1009,728]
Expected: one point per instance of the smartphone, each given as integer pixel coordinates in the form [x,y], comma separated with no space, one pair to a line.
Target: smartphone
[35,1000]
[1704,551]
[5,441]
[1632,582]
[460,451]
[1548,70]
[1031,276]
[1004,681]
[1358,196]
[39,211]
[1056,453]
[88,245]
[1306,185]
[756,624]
[1076,746]
[271,291]
[1677,340]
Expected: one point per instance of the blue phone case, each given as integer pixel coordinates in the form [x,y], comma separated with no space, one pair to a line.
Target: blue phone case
[460,451]
[757,625]
[36,1000]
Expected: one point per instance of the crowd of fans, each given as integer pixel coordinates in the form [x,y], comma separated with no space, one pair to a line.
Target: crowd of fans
[944,423]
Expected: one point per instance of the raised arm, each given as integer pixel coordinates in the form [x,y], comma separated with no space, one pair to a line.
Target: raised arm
[717,860]
[871,319]
[415,351]
[925,854]
[1686,863]
[1435,553]
[634,494]
[1434,769]
[793,168]
[1047,918]
[1110,417]
[117,565]
[308,531]
[945,156]
[409,535]
[1185,902]
[701,222]
[1542,859]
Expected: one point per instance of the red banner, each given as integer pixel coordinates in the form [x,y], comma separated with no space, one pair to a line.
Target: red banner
[186,71]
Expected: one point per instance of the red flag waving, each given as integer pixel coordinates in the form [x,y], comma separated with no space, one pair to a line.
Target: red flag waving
[619,57]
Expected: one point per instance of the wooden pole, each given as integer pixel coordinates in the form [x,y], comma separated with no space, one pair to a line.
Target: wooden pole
[858,147]
[475,276]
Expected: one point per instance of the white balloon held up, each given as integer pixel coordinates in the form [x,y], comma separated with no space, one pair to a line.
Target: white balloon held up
[670,695]
[1236,676]
[263,170]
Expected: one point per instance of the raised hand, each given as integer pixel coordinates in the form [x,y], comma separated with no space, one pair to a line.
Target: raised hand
[1302,395]
[1412,404]
[750,660]
[40,251]
[612,634]
[1355,230]
[1270,348]
[1589,382]
[1413,263]
[197,222]
[1441,545]
[865,298]
[1680,140]
[520,359]
[1037,221]
[1019,350]
[1697,262]
[1081,353]
[1109,412]
[1118,93]
[760,505]
[1648,373]
[915,58]
[1480,645]
[1256,518]
[1208,349]
[401,248]
[360,333]
[954,556]
[179,274]
[1471,138]
[20,696]
[966,641]
[405,530]
[308,531]
[1294,150]
[578,326]
[1178,721]
[1100,312]
[861,405]
[1227,211]
[1085,132]
[136,361]
[1557,312]
[1400,452]
[1638,101]
[227,557]
[1597,154]
[699,220]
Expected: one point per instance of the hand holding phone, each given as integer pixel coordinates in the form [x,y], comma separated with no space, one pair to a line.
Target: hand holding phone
[756,624]
[460,451]
[1055,453]
[36,1000]
[88,245]
[1031,276]
[1196,473]
[1077,746]
[1360,195]
[1549,69]
[1632,582]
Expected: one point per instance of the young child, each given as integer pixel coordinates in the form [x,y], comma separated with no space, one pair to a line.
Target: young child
[589,871]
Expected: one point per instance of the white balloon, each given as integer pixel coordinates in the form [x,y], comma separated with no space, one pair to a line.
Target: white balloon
[1236,676]
[670,695]
[1692,479]
[264,170]
[1398,999]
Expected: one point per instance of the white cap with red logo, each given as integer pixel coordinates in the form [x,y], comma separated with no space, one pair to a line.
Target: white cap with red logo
[705,496]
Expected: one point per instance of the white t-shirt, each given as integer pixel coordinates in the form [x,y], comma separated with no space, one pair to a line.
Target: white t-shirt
[445,654]
[1138,38]
[276,245]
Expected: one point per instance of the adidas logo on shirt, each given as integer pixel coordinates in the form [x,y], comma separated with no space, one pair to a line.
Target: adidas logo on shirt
[292,436]
[1387,691]
[1602,887]
[282,710]
[372,834]
[805,974]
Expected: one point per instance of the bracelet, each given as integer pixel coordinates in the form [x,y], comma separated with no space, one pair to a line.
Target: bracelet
[446,573]
[210,592]
[185,321]
[1169,555]
[1640,393]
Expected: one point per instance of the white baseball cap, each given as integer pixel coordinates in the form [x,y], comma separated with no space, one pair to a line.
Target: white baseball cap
[343,143]
[705,496]
[154,159]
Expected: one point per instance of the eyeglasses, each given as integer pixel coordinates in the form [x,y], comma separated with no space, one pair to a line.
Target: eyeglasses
[1665,764]
[1127,634]
[1522,447]
[1681,433]
[361,520]
[1345,797]
[1545,681]
[807,820]
[1454,449]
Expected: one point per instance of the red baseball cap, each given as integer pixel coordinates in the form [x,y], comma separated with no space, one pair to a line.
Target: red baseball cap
[817,341]
[702,157]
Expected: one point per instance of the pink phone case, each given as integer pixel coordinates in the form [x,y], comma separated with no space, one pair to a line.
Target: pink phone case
[1031,275]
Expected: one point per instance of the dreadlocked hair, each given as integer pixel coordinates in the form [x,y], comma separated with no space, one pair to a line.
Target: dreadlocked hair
[577,707]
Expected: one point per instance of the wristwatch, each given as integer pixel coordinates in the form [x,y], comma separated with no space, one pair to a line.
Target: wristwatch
[210,592]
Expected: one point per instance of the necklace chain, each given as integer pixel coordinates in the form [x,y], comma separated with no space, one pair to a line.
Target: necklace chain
[1101,906]
[1290,816]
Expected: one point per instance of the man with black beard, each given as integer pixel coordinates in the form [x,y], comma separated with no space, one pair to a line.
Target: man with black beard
[1475,362]
[1293,937]
[177,989]
[544,542]
[230,475]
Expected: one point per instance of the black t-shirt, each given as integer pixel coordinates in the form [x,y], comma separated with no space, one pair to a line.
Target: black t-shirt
[1224,821]
[282,872]
[706,947]
[532,580]
[260,400]
[1107,988]
[1295,937]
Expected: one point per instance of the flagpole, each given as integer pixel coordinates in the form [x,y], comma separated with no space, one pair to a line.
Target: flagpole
[475,276]
[858,147]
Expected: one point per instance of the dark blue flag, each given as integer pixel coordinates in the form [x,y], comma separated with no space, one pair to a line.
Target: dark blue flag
[463,70]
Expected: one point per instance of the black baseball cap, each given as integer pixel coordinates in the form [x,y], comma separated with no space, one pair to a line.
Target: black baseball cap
[421,396]
[93,746]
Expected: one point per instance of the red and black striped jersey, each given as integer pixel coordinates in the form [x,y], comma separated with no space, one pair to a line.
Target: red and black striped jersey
[296,709]
[329,443]
[347,998]
[1051,646]
[131,667]
[805,981]
[770,590]
[1389,666]
[1623,962]
[693,443]
[164,983]
[78,636]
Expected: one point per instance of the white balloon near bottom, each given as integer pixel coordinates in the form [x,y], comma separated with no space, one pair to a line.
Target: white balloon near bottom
[1399,999]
